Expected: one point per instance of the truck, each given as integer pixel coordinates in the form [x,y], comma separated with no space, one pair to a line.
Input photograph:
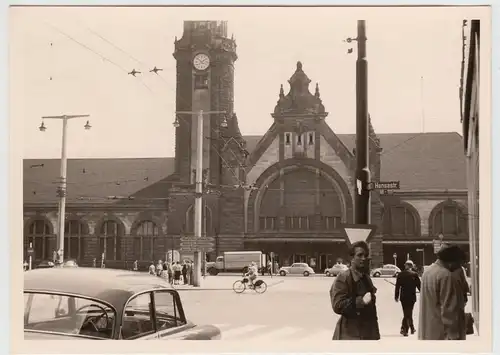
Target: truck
[236,261]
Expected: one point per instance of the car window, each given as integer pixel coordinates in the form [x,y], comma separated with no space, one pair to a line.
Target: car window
[137,317]
[52,313]
[295,265]
[167,311]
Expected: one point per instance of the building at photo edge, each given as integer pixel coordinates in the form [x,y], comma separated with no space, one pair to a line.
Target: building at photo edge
[287,192]
[470,121]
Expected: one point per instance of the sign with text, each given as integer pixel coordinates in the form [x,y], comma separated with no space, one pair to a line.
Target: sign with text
[385,185]
[190,244]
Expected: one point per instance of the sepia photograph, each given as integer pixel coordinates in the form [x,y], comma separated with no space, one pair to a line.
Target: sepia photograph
[261,175]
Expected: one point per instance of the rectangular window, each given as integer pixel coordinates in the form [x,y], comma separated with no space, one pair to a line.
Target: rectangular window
[167,311]
[330,222]
[287,138]
[303,223]
[311,138]
[299,139]
[201,81]
[138,317]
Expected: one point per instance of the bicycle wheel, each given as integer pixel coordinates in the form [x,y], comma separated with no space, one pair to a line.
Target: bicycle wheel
[261,288]
[239,286]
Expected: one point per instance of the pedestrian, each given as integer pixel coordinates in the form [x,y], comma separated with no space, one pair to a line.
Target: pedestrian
[184,273]
[165,269]
[170,273]
[177,272]
[152,268]
[270,268]
[135,266]
[442,301]
[190,272]
[159,268]
[353,298]
[405,291]
[276,267]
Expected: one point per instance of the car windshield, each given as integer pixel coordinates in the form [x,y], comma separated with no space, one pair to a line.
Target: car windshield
[68,314]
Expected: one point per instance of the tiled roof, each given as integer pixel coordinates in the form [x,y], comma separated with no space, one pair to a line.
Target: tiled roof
[92,179]
[430,161]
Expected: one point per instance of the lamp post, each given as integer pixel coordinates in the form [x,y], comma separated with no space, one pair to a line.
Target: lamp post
[199,185]
[61,190]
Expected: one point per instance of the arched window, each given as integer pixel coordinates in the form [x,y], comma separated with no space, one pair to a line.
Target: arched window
[206,221]
[39,234]
[110,240]
[74,239]
[450,220]
[146,240]
[403,221]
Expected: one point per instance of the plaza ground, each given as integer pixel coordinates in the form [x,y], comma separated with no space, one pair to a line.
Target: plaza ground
[293,308]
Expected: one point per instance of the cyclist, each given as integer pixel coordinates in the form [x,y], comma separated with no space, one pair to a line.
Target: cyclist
[252,273]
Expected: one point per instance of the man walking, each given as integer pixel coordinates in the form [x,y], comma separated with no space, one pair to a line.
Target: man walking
[442,299]
[407,284]
[353,298]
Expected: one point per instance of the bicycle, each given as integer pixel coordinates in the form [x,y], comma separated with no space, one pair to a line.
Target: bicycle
[240,286]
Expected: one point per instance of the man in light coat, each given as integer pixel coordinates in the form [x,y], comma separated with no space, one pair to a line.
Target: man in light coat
[442,302]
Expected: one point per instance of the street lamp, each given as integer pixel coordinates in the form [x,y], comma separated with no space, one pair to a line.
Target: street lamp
[199,183]
[61,190]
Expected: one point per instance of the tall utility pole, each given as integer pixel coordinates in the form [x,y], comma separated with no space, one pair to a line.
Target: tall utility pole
[362,130]
[198,205]
[61,191]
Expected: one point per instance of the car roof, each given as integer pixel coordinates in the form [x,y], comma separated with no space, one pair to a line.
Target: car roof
[110,285]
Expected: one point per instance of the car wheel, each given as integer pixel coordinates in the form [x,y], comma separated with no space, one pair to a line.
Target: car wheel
[213,271]
[282,273]
[328,274]
[377,274]
[306,273]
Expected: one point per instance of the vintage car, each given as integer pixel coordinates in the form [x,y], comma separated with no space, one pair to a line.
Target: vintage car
[91,303]
[296,269]
[335,269]
[386,270]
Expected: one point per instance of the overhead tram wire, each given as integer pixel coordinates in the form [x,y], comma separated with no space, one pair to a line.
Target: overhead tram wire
[166,82]
[104,58]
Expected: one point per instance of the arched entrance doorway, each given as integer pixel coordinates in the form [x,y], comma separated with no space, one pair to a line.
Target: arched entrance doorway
[297,215]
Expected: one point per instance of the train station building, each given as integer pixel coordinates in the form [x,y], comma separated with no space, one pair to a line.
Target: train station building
[288,191]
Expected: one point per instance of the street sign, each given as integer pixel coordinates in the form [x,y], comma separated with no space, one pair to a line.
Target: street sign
[31,251]
[394,255]
[359,186]
[384,185]
[359,232]
[420,249]
[192,244]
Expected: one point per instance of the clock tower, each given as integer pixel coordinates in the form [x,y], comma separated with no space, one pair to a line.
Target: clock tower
[205,81]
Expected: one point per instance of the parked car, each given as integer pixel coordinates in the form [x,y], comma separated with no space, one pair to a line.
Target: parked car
[335,269]
[386,270]
[296,269]
[95,303]
[47,264]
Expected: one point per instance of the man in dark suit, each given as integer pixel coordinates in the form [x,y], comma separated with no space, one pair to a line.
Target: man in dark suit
[407,284]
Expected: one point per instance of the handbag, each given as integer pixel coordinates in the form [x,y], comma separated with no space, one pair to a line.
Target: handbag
[469,323]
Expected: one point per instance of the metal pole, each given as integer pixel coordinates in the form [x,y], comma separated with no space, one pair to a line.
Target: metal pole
[198,198]
[30,259]
[62,196]
[362,151]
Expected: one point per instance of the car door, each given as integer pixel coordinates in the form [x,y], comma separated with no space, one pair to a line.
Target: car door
[169,314]
[294,269]
[138,319]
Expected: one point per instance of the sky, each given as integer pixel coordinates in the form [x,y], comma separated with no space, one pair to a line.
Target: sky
[75,60]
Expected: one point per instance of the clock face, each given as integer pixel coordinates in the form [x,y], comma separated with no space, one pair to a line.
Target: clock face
[201,61]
